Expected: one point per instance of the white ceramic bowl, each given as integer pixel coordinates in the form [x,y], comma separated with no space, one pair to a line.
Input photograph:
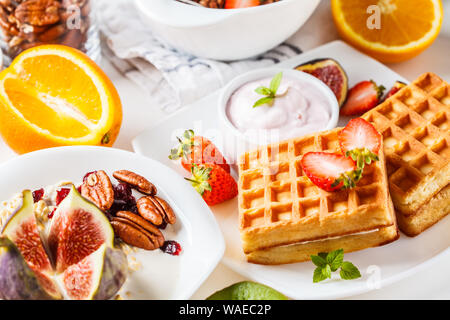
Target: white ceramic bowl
[234,141]
[225,34]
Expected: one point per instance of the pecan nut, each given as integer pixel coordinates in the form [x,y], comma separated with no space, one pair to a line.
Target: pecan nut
[98,188]
[38,12]
[156,210]
[136,231]
[136,181]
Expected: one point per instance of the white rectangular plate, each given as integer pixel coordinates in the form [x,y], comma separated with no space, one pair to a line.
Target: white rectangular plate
[379,266]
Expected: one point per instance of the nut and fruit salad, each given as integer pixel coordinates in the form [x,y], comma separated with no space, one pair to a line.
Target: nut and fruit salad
[137,221]
[233,4]
[60,239]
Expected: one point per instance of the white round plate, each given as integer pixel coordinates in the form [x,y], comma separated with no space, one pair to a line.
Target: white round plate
[160,275]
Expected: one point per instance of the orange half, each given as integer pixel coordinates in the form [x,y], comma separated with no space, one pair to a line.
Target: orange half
[55,95]
[388,30]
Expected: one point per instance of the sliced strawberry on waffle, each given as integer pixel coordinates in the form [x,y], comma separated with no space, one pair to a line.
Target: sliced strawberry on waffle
[197,150]
[330,171]
[360,141]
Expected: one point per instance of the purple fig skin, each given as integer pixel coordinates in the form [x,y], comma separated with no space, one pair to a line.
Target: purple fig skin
[17,280]
[114,274]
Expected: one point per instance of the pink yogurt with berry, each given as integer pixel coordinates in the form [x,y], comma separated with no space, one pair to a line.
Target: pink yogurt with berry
[300,108]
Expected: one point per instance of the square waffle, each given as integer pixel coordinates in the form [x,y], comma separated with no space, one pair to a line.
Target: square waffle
[415,124]
[279,205]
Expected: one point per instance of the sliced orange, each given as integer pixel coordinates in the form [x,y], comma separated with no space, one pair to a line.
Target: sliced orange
[388,30]
[55,95]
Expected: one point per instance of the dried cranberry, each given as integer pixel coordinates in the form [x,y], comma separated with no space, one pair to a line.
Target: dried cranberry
[122,191]
[38,194]
[79,189]
[171,247]
[61,194]
[87,175]
[50,215]
[123,199]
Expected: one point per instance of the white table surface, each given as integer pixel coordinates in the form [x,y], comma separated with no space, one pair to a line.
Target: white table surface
[432,283]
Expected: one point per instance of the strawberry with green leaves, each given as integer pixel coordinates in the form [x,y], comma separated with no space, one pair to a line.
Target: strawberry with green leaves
[330,171]
[197,150]
[362,97]
[360,141]
[213,183]
[360,144]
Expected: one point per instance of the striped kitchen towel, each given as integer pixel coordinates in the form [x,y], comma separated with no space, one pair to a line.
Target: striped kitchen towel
[173,79]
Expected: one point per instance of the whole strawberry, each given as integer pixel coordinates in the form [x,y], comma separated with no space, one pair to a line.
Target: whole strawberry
[197,150]
[213,183]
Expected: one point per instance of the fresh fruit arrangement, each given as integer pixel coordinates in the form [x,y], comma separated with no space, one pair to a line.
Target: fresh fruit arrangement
[54,95]
[361,98]
[210,171]
[68,234]
[80,238]
[359,142]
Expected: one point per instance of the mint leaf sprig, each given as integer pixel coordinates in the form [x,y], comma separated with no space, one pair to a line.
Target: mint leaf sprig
[269,93]
[330,262]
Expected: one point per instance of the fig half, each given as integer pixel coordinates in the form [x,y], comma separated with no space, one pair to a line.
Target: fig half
[331,73]
[18,281]
[78,228]
[23,249]
[98,276]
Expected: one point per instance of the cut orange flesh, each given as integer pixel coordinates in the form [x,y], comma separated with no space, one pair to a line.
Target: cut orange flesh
[388,30]
[55,96]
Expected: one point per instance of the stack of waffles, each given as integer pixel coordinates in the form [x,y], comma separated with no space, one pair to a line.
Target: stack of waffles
[415,124]
[285,218]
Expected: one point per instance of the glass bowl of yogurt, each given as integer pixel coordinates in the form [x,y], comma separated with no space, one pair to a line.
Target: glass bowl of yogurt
[301,105]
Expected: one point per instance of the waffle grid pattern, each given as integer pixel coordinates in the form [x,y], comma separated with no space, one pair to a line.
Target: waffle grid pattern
[415,124]
[274,190]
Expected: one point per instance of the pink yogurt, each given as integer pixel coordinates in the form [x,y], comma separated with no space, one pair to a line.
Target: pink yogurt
[300,109]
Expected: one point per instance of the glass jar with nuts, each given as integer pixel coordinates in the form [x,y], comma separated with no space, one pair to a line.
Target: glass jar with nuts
[29,23]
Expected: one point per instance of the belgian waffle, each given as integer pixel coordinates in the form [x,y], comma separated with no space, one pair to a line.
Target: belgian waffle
[415,124]
[279,205]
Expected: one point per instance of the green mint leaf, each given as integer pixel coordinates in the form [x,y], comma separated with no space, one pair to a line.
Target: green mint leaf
[275,83]
[327,271]
[319,275]
[319,261]
[263,91]
[323,255]
[349,271]
[263,101]
[335,259]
